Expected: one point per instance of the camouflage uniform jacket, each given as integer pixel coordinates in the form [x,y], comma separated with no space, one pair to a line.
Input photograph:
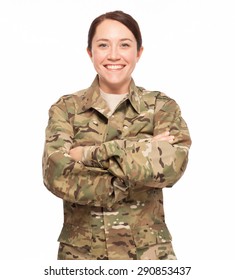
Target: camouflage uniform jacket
[113,197]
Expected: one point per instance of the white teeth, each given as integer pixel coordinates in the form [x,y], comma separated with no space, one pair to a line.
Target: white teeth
[114,67]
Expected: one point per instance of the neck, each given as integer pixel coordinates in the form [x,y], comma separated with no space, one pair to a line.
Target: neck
[114,88]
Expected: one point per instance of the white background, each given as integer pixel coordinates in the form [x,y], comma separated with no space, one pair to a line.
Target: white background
[189,55]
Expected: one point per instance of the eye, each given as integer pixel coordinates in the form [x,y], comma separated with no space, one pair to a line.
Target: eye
[103,45]
[125,45]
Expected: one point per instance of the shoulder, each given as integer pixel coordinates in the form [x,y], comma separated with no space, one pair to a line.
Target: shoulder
[156,97]
[145,93]
[70,100]
[71,97]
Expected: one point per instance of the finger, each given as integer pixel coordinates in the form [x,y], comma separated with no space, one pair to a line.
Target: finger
[162,135]
[169,138]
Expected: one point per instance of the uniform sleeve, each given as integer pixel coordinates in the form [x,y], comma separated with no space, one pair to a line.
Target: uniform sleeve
[143,164]
[68,179]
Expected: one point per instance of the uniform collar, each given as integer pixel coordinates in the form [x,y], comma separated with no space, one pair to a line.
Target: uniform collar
[93,99]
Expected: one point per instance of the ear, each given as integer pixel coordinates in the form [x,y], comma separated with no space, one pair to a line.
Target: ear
[89,52]
[139,53]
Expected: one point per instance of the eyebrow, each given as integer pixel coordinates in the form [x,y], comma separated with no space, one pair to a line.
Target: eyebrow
[107,40]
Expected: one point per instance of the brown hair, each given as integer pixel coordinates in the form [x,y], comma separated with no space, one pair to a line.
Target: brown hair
[123,18]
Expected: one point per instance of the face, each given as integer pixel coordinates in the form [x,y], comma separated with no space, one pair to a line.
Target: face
[114,55]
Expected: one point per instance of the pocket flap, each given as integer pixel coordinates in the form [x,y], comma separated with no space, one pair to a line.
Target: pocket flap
[75,236]
[150,235]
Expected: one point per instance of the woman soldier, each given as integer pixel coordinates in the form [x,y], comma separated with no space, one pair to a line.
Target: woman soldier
[110,150]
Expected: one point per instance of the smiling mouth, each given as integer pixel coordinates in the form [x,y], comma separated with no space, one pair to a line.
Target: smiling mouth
[114,66]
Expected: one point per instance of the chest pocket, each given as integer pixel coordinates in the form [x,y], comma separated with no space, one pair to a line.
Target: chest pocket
[140,125]
[89,128]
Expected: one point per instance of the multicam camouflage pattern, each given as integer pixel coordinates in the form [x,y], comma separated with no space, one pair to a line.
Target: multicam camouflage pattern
[113,202]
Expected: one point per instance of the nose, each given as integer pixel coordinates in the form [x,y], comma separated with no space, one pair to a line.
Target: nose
[114,53]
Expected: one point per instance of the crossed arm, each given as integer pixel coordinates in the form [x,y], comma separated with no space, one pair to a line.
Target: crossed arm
[103,175]
[77,153]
